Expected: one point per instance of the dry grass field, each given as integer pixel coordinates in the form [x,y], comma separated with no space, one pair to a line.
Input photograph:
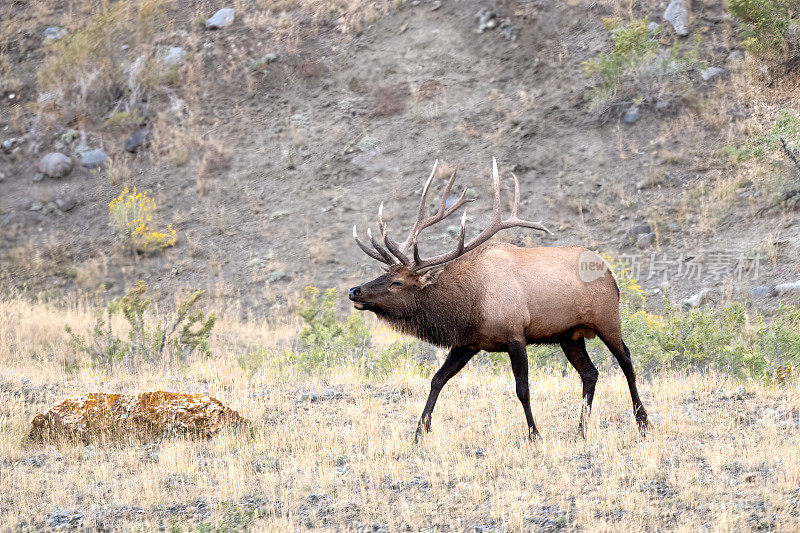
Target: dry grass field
[334,450]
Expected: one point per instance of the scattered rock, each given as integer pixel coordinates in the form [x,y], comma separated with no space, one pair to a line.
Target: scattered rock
[736,55]
[138,139]
[93,159]
[654,26]
[173,56]
[696,300]
[646,240]
[55,165]
[8,144]
[36,206]
[64,205]
[674,227]
[761,291]
[487,19]
[631,115]
[54,33]
[786,288]
[316,396]
[220,19]
[677,15]
[637,230]
[35,460]
[61,519]
[100,416]
[711,72]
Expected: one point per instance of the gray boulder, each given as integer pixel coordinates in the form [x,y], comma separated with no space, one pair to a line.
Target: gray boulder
[173,56]
[94,159]
[55,165]
[220,19]
[786,288]
[54,33]
[138,139]
[711,72]
[631,115]
[696,300]
[677,15]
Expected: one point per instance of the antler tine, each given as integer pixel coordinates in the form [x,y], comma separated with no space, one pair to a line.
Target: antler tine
[496,224]
[393,247]
[370,252]
[380,249]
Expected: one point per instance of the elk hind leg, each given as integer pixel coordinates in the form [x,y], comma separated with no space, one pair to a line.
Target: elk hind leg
[575,351]
[623,356]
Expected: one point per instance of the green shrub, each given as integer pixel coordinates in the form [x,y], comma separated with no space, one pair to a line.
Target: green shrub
[766,23]
[636,72]
[147,339]
[787,126]
[325,339]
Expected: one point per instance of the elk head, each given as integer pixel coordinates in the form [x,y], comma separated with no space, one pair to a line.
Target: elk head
[396,292]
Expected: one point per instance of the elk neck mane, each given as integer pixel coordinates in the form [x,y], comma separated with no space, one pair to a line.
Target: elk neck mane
[441,313]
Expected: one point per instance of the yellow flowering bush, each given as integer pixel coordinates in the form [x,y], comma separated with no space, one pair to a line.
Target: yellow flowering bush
[130,214]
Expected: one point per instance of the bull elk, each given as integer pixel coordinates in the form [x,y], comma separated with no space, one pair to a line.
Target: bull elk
[496,297]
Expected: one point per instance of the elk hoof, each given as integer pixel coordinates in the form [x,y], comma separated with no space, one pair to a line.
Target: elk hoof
[533,435]
[644,426]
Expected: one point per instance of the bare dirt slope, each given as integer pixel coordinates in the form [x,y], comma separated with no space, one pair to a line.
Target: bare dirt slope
[284,160]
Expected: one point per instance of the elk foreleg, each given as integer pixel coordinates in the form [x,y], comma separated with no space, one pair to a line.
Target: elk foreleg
[458,357]
[519,365]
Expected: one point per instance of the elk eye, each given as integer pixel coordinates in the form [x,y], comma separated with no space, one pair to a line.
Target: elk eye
[396,284]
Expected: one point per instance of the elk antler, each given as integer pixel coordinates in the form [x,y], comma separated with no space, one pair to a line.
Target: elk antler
[399,250]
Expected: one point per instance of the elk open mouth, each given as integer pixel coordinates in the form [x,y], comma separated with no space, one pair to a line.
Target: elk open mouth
[361,306]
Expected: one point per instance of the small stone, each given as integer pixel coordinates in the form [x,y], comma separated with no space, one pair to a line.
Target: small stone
[631,115]
[173,56]
[646,240]
[36,206]
[54,33]
[94,159]
[55,165]
[62,520]
[38,177]
[761,291]
[487,19]
[654,27]
[638,229]
[138,139]
[220,19]
[696,300]
[65,205]
[8,143]
[736,55]
[673,227]
[677,15]
[711,72]
[786,288]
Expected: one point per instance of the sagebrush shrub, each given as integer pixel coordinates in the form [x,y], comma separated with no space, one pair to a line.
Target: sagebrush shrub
[766,23]
[148,339]
[131,213]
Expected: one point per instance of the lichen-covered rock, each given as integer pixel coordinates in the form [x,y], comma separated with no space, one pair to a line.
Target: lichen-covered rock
[100,416]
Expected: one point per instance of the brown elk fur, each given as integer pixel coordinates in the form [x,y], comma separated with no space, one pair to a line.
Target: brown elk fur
[498,296]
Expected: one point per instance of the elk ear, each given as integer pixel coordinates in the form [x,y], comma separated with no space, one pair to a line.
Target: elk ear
[430,276]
